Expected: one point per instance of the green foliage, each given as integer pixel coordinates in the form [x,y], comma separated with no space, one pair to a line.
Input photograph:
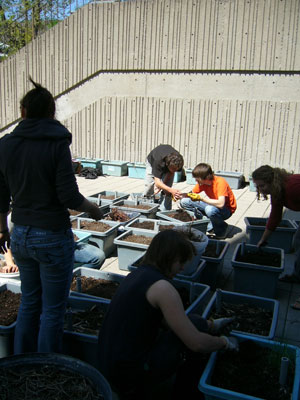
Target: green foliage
[23,20]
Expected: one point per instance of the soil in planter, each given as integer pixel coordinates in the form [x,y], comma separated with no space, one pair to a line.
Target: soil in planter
[88,321]
[166,227]
[108,197]
[143,225]
[181,215]
[248,318]
[254,371]
[10,303]
[138,206]
[94,226]
[260,258]
[96,287]
[138,239]
[117,215]
[46,382]
[211,250]
[74,212]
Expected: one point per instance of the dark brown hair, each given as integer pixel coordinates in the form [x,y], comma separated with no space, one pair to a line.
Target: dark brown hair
[38,102]
[203,171]
[167,247]
[174,160]
[275,177]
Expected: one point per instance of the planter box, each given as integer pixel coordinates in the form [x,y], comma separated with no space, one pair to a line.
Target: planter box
[216,393]
[90,162]
[198,294]
[241,298]
[96,274]
[252,186]
[82,345]
[157,223]
[104,240]
[114,168]
[100,200]
[33,362]
[282,237]
[129,205]
[189,177]
[7,332]
[178,176]
[200,224]
[137,170]
[234,179]
[197,266]
[83,236]
[214,265]
[259,280]
[128,252]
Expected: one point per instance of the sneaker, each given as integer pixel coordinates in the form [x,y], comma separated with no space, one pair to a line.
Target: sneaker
[222,236]
[211,233]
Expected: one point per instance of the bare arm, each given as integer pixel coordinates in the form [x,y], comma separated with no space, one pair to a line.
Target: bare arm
[267,233]
[164,296]
[219,203]
[162,186]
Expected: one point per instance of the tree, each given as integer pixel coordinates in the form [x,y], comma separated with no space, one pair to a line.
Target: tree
[23,20]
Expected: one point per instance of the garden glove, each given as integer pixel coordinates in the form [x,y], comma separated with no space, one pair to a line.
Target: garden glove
[220,323]
[194,196]
[231,343]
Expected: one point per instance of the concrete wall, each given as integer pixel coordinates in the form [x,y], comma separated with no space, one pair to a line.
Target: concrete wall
[218,79]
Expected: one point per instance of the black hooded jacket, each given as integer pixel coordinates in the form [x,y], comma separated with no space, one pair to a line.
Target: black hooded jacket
[36,174]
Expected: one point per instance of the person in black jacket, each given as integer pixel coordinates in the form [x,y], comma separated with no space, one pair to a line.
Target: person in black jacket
[36,176]
[146,330]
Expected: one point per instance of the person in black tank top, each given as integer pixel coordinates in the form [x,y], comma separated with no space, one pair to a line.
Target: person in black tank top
[146,330]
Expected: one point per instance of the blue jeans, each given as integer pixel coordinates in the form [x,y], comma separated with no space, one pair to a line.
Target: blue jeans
[45,260]
[88,255]
[165,200]
[216,215]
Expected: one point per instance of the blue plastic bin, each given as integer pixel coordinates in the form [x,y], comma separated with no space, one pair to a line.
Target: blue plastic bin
[99,199]
[282,237]
[234,179]
[242,298]
[90,162]
[189,177]
[214,265]
[200,224]
[212,392]
[114,168]
[137,170]
[130,205]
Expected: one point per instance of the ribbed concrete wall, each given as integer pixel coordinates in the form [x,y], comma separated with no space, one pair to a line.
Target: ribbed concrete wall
[226,50]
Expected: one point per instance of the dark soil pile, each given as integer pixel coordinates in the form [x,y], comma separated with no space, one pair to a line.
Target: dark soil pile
[181,215]
[138,206]
[254,371]
[88,321]
[108,197]
[45,382]
[143,225]
[165,227]
[260,257]
[95,287]
[117,215]
[248,318]
[94,226]
[138,239]
[10,303]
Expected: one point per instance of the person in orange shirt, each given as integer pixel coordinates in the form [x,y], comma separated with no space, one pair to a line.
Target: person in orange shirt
[213,197]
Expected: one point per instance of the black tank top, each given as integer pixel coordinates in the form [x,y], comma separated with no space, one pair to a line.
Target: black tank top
[131,325]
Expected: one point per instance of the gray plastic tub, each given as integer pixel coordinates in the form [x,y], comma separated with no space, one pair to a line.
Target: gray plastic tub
[96,274]
[157,223]
[130,205]
[214,265]
[234,179]
[104,240]
[200,224]
[128,252]
[98,197]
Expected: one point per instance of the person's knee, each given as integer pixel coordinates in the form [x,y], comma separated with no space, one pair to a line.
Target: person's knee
[211,211]
[185,202]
